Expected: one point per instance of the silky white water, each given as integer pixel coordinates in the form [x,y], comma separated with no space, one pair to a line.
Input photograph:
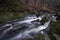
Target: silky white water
[33,23]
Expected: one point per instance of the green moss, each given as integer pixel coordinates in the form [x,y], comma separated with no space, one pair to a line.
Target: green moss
[39,37]
[8,16]
[55,27]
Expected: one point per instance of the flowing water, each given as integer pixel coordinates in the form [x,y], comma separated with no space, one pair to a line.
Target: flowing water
[28,27]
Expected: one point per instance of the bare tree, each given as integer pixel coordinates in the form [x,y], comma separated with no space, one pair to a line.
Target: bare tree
[50,5]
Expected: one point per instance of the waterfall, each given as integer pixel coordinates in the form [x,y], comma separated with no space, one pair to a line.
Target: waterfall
[33,24]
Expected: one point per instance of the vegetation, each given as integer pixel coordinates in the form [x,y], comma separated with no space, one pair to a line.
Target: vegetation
[13,9]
